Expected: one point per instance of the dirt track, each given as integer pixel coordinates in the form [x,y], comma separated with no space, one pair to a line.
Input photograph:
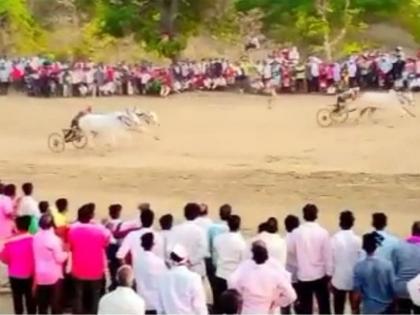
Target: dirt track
[223,148]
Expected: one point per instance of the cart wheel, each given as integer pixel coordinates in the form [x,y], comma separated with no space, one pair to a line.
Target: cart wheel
[323,118]
[80,141]
[56,142]
[339,117]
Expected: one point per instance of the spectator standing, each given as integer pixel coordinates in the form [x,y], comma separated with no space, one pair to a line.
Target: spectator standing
[291,222]
[131,244]
[346,251]
[192,238]
[49,258]
[27,205]
[406,261]
[166,223]
[230,250]
[262,286]
[88,260]
[60,212]
[274,243]
[123,300]
[373,279]
[310,244]
[148,268]
[389,241]
[6,214]
[180,290]
[18,255]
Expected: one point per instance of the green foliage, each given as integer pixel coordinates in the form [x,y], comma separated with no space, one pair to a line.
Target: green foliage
[19,32]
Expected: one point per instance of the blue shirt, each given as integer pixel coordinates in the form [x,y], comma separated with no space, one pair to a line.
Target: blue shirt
[406,262]
[214,230]
[389,243]
[373,279]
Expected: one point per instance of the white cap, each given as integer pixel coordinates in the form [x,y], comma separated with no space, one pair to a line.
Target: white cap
[180,251]
[413,287]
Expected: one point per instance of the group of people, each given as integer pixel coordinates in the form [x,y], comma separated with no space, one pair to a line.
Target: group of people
[282,71]
[149,266]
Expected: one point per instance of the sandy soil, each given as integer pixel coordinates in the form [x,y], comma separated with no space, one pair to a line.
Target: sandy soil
[221,148]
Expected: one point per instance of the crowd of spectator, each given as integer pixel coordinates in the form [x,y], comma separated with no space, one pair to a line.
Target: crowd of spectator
[140,266]
[282,71]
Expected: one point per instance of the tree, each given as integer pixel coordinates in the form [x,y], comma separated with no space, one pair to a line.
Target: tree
[19,33]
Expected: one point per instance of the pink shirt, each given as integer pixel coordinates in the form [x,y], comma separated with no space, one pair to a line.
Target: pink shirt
[310,244]
[18,255]
[6,221]
[49,257]
[263,287]
[88,242]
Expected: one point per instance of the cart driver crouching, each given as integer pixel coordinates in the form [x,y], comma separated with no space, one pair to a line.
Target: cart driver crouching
[342,98]
[74,124]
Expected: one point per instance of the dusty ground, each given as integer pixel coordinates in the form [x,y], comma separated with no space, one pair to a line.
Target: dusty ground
[221,148]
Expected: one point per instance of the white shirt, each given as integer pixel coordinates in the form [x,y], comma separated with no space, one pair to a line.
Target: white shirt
[275,245]
[205,223]
[167,242]
[122,300]
[263,287]
[181,291]
[291,263]
[346,249]
[230,250]
[132,244]
[28,206]
[192,237]
[147,270]
[311,245]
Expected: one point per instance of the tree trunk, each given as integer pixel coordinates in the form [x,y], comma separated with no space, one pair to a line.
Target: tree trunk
[169,11]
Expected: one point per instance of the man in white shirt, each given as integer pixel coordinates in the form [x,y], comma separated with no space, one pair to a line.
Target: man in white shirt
[123,300]
[263,283]
[180,290]
[166,223]
[27,204]
[346,250]
[229,250]
[131,243]
[310,244]
[192,238]
[275,244]
[147,270]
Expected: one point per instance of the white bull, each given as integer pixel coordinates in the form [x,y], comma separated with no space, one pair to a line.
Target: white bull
[370,102]
[111,125]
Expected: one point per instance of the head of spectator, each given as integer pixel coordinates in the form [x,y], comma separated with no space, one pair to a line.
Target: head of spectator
[231,302]
[114,211]
[10,191]
[144,206]
[310,212]
[234,223]
[46,222]
[225,212]
[147,241]
[22,223]
[27,189]
[262,227]
[86,213]
[44,207]
[379,221]
[415,229]
[259,252]
[62,205]
[371,241]
[125,276]
[166,222]
[147,217]
[191,211]
[272,225]
[291,222]
[204,210]
[179,255]
[346,220]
